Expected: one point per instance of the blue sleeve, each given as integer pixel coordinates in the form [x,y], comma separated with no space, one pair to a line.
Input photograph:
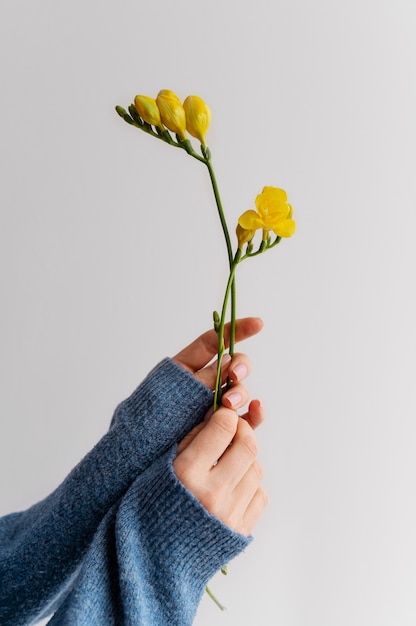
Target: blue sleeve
[41,548]
[151,557]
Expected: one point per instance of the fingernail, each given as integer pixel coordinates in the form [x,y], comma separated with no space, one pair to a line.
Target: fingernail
[233,398]
[240,370]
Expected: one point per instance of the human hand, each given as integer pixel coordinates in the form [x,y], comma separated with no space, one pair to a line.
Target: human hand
[168,404]
[225,478]
[196,357]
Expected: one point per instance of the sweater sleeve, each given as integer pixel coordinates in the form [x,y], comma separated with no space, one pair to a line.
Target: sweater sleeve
[151,557]
[41,548]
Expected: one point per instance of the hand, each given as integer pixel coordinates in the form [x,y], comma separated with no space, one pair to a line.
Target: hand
[235,368]
[199,353]
[225,478]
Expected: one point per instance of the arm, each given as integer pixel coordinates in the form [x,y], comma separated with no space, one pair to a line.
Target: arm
[179,522]
[41,548]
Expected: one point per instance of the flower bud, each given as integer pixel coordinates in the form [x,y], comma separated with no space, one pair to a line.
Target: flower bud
[198,117]
[243,235]
[217,320]
[126,117]
[147,109]
[172,112]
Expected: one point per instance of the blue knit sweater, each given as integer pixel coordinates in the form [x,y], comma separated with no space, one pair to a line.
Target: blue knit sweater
[120,542]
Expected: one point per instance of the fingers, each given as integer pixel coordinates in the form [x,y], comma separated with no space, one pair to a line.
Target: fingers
[225,478]
[237,459]
[255,414]
[235,368]
[238,474]
[244,505]
[236,397]
[210,442]
[204,348]
[239,367]
[208,375]
[253,512]
[254,417]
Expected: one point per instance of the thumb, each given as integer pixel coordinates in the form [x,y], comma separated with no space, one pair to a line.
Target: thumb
[210,440]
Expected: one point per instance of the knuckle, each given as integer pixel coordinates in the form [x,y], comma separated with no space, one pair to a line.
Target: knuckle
[263,496]
[258,470]
[250,444]
[225,420]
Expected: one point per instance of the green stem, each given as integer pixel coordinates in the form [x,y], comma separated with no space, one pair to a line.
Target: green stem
[135,120]
[220,332]
[217,602]
[233,315]
[231,283]
[220,210]
[263,247]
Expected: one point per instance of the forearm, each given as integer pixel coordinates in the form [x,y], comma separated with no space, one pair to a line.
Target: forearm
[41,548]
[150,558]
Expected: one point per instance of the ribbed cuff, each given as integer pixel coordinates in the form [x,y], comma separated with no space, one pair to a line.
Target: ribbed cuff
[163,409]
[186,544]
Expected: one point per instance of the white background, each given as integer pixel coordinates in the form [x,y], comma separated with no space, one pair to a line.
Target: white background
[111,257]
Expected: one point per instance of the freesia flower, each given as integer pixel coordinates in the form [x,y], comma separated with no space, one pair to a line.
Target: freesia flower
[147,109]
[273,213]
[172,112]
[198,117]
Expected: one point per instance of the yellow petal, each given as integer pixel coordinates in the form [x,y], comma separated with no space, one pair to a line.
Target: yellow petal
[272,201]
[198,117]
[278,195]
[250,220]
[285,228]
[172,112]
[147,109]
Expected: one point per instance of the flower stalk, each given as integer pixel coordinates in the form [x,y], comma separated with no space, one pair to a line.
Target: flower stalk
[215,599]
[230,285]
[168,120]
[165,115]
[220,330]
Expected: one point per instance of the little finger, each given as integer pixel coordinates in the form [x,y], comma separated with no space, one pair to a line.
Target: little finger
[255,414]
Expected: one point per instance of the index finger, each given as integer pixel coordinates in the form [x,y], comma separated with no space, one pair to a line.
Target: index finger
[205,347]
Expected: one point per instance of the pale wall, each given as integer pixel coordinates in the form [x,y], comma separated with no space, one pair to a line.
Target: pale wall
[111,257]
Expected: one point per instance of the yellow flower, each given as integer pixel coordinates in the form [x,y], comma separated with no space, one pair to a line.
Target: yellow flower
[243,235]
[198,117]
[172,112]
[273,213]
[147,109]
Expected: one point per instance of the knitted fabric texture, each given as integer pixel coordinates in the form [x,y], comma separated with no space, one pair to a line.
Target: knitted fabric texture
[103,513]
[151,557]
